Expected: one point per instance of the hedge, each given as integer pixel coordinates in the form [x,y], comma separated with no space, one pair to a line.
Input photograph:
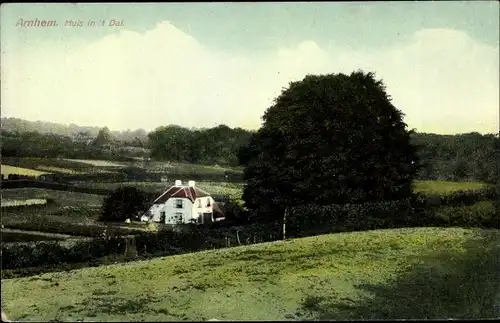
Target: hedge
[195,238]
[13,184]
[84,230]
[12,177]
[459,198]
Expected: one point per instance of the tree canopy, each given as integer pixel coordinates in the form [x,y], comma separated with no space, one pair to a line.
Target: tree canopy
[124,203]
[329,139]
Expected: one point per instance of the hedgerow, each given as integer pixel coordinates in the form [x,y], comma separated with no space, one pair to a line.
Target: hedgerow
[306,220]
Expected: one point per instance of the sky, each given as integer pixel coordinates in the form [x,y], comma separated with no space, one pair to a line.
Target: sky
[205,64]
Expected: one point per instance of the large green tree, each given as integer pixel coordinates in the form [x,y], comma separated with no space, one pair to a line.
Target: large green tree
[329,139]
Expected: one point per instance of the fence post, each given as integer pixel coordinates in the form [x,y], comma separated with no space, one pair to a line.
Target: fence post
[238,237]
[284,223]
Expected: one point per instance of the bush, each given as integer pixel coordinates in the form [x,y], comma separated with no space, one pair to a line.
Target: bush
[234,213]
[124,203]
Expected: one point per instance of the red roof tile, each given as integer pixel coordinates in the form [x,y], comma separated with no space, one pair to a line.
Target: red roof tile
[191,193]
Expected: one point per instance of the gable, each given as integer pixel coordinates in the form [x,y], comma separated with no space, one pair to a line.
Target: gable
[190,193]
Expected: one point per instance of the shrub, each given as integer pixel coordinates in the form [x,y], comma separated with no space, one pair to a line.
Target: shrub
[123,203]
[87,230]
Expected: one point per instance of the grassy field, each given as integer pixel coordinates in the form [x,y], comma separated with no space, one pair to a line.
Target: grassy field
[7,169]
[442,187]
[185,168]
[63,198]
[72,207]
[58,170]
[387,274]
[97,163]
[55,165]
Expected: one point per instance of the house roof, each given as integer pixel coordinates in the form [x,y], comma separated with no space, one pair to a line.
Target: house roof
[191,193]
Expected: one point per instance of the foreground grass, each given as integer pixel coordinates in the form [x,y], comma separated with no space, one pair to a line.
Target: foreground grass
[6,170]
[386,274]
[443,187]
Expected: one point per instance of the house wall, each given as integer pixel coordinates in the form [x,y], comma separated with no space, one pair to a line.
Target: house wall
[171,210]
[189,211]
[200,207]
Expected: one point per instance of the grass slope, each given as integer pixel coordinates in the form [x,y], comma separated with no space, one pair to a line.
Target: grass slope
[406,273]
[443,187]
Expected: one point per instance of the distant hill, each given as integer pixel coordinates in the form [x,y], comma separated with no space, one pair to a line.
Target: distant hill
[16,124]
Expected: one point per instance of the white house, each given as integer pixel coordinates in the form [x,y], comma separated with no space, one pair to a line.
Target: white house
[181,204]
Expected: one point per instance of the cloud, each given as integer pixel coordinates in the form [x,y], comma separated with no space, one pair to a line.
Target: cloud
[443,80]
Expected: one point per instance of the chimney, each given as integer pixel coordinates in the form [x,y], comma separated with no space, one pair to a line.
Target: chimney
[178,183]
[191,183]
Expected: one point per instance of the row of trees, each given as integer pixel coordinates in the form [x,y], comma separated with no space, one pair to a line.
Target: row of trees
[218,145]
[470,156]
[71,130]
[79,145]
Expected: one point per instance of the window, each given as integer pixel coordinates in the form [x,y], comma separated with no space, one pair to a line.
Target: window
[199,203]
[179,204]
[162,217]
[208,201]
[178,218]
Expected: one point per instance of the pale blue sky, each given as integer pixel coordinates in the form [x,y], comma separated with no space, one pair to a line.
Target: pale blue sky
[225,52]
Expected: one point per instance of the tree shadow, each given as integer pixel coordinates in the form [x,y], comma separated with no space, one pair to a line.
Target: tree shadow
[446,285]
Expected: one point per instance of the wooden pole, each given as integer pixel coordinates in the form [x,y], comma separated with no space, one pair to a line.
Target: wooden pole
[238,237]
[284,223]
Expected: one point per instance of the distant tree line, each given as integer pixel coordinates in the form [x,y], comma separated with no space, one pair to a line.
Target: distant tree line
[79,146]
[470,156]
[217,145]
